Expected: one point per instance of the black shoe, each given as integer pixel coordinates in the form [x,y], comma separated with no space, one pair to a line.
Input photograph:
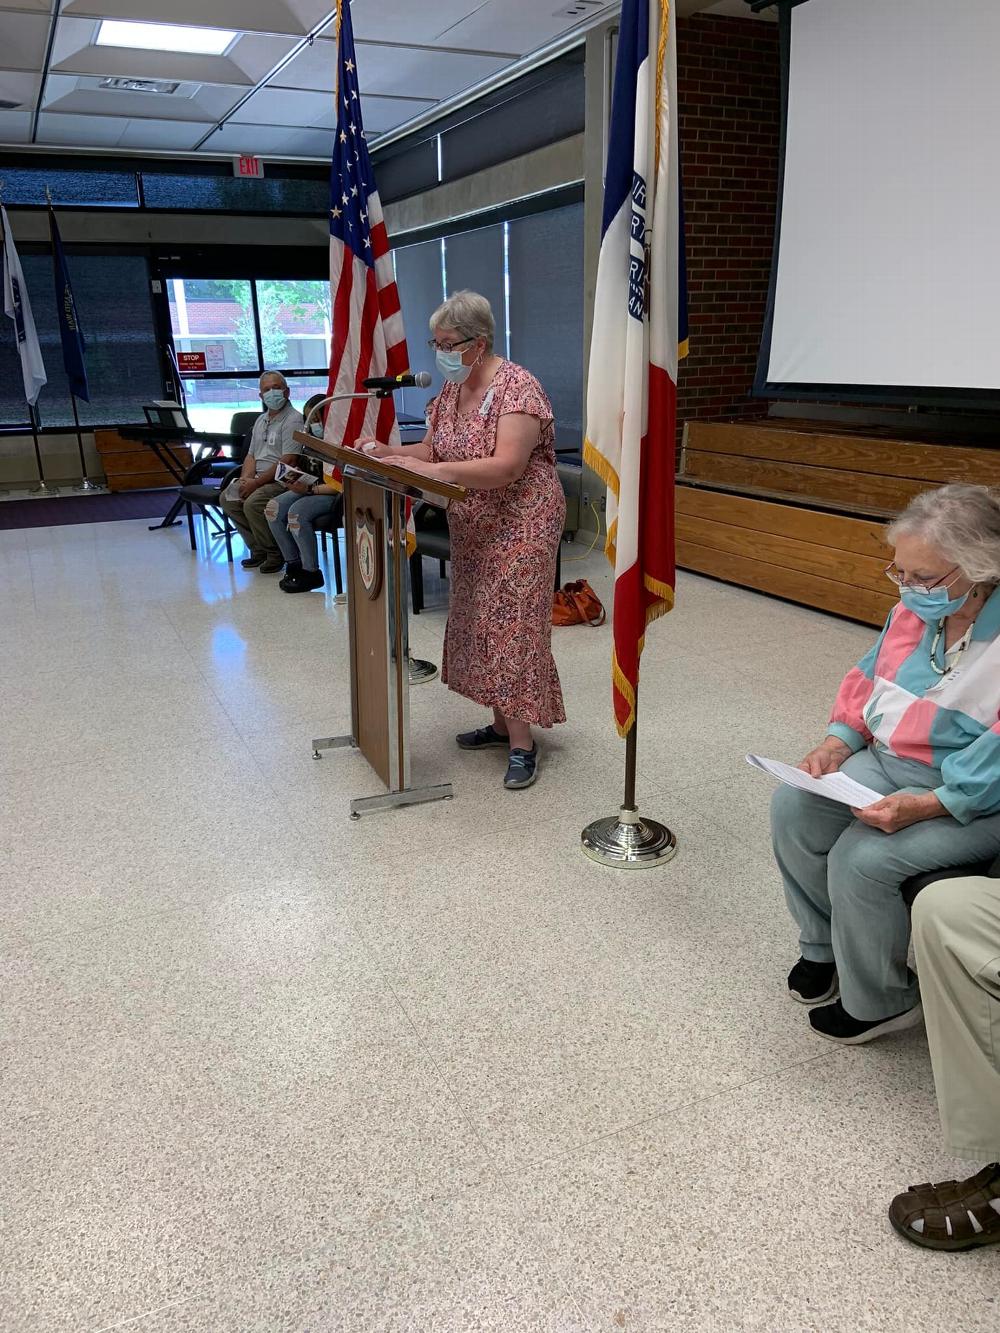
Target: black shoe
[483,738]
[812,983]
[522,769]
[307,580]
[273,564]
[834,1023]
[293,571]
[254,559]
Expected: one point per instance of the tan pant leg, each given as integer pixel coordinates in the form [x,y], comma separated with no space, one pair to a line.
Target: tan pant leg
[234,508]
[956,935]
[253,512]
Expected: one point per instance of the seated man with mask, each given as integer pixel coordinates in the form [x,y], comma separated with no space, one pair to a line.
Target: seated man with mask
[245,499]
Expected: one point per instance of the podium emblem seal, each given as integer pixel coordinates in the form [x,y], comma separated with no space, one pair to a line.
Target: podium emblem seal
[368,547]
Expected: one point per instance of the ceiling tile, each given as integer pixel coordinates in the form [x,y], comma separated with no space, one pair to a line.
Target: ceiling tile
[21,88]
[15,126]
[71,94]
[312,70]
[79,131]
[251,58]
[429,74]
[285,106]
[404,21]
[177,135]
[296,17]
[385,113]
[511,25]
[270,141]
[24,38]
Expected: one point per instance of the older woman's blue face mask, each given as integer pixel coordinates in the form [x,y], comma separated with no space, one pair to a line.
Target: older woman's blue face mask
[450,352]
[929,585]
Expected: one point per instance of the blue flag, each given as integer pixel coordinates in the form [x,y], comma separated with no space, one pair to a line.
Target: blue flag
[69,325]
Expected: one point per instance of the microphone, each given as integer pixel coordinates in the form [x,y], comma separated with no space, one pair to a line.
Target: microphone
[421,380]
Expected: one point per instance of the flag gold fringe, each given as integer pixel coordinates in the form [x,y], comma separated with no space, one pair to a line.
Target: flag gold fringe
[624,687]
[596,461]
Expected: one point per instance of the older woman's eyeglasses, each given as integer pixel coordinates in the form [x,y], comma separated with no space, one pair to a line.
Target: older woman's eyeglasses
[901,581]
[435,346]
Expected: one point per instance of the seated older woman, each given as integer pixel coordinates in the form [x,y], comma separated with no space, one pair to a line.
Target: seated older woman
[919,720]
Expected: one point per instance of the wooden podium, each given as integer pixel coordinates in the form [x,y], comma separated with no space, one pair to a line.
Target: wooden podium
[375,494]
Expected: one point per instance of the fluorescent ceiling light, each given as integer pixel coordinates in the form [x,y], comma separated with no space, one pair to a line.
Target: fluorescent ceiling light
[164,37]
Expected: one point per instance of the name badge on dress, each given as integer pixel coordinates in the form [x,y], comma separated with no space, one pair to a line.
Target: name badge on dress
[487,403]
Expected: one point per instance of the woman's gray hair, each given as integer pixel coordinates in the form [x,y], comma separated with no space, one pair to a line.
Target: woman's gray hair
[963,522]
[467,313]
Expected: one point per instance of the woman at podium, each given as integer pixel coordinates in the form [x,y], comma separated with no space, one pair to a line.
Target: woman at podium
[492,431]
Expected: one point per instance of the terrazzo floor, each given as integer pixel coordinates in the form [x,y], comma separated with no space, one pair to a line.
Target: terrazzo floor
[262,1068]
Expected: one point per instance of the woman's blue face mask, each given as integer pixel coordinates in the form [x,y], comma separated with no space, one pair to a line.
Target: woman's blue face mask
[933,603]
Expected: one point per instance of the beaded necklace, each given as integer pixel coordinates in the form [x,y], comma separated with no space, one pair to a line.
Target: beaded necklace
[958,649]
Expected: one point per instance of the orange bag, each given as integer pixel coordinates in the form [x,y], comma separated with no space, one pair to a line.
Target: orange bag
[577,604]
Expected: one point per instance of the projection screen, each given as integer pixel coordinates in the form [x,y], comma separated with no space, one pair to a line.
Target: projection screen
[887,260]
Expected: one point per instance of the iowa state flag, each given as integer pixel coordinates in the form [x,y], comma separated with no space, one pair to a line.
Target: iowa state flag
[69,325]
[639,334]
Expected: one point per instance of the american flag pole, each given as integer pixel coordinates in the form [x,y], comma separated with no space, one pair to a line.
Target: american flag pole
[367,337]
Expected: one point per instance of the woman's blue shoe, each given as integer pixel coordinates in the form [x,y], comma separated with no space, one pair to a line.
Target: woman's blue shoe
[522,769]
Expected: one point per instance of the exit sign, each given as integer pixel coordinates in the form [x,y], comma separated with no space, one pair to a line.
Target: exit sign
[248,166]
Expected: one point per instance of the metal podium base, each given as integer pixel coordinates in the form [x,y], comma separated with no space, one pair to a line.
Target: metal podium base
[396,800]
[627,842]
[390,800]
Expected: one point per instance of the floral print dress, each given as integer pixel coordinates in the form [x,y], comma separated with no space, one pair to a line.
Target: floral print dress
[498,644]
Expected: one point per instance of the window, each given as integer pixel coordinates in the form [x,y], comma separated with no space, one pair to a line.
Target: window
[475,261]
[238,329]
[214,318]
[113,301]
[235,194]
[421,291]
[211,403]
[531,272]
[95,189]
[295,324]
[546,310]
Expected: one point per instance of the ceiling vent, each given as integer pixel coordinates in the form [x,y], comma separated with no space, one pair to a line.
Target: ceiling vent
[139,85]
[578,9]
[6,105]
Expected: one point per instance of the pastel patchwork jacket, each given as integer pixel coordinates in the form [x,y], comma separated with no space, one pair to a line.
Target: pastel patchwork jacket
[894,701]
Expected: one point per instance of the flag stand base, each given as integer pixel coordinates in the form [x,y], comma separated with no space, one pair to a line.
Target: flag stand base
[88,485]
[625,841]
[44,489]
[628,842]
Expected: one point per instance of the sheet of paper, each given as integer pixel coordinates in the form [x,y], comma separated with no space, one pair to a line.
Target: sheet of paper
[834,786]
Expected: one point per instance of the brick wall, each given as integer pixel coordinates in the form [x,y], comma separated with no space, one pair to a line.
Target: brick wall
[730,108]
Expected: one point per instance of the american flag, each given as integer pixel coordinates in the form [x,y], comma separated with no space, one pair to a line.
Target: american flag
[367,337]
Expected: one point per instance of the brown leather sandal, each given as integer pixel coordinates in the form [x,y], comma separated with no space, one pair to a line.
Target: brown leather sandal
[952,1215]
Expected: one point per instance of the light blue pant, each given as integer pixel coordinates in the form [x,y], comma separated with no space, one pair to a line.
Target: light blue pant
[842,879]
[293,527]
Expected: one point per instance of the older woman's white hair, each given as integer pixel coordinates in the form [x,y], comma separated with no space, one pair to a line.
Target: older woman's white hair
[963,522]
[467,313]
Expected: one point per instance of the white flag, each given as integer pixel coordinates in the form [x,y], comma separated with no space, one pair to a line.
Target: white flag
[17,307]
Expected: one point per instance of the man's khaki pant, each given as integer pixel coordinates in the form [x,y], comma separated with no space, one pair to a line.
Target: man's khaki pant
[248,519]
[956,935]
